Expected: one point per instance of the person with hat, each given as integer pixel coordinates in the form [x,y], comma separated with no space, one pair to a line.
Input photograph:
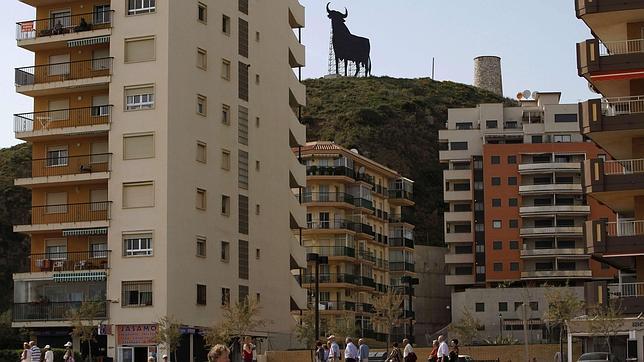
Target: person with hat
[49,354]
[334,351]
[69,354]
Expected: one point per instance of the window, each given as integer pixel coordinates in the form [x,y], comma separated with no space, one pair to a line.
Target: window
[56,249]
[58,64]
[498,267]
[57,156]
[101,59]
[137,244]
[202,59]
[257,78]
[243,259]
[512,160]
[140,6]
[136,294]
[137,146]
[243,6]
[201,294]
[225,114]
[491,124]
[514,245]
[257,122]
[257,36]
[202,12]
[257,254]
[537,139]
[225,69]
[139,49]
[513,202]
[496,202]
[566,118]
[463,270]
[102,14]
[243,169]
[514,223]
[225,159]
[514,266]
[243,81]
[201,105]
[139,98]
[463,125]
[201,247]
[225,205]
[497,245]
[496,224]
[202,152]
[534,306]
[512,180]
[257,165]
[58,109]
[138,194]
[463,249]
[480,307]
[503,306]
[225,251]
[243,293]
[200,202]
[243,214]
[99,152]
[561,138]
[98,200]
[496,160]
[242,126]
[56,203]
[458,146]
[243,37]
[225,24]
[257,209]
[225,296]
[496,181]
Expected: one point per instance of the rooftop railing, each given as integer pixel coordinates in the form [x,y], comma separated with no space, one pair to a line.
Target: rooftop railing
[58,72]
[65,24]
[624,167]
[62,118]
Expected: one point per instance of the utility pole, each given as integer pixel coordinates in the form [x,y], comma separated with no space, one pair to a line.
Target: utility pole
[410,292]
[525,331]
[317,259]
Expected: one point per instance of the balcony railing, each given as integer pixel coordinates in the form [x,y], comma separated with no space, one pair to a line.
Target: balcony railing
[401,242]
[73,117]
[329,171]
[58,72]
[401,194]
[382,288]
[69,261]
[617,106]
[31,29]
[398,218]
[331,278]
[621,47]
[625,228]
[331,224]
[332,251]
[327,197]
[50,311]
[401,266]
[624,167]
[626,290]
[367,256]
[64,213]
[69,165]
[364,203]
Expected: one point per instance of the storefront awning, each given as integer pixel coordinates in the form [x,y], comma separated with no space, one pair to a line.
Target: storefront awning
[88,41]
[81,232]
[80,277]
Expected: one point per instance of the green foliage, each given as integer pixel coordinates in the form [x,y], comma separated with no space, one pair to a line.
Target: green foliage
[83,322]
[467,328]
[169,333]
[394,122]
[237,321]
[501,341]
[10,337]
[606,321]
[305,330]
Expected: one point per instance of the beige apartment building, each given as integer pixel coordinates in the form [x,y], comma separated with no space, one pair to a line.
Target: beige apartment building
[162,168]
[356,217]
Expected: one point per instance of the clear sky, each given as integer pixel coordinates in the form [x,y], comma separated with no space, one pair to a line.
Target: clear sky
[535,39]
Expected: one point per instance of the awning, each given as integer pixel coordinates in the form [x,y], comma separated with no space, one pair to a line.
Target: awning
[81,232]
[89,276]
[88,41]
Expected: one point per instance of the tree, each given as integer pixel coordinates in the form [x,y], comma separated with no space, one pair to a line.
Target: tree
[169,333]
[345,327]
[388,310]
[10,337]
[606,321]
[237,320]
[563,305]
[467,328]
[84,320]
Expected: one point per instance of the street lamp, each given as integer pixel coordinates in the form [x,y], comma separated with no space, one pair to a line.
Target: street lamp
[318,260]
[406,279]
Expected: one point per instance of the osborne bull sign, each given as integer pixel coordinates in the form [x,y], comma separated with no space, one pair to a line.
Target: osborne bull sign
[346,46]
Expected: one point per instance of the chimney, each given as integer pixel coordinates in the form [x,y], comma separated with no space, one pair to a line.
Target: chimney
[487,74]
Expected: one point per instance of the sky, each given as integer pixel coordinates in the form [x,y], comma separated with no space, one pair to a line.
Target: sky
[535,40]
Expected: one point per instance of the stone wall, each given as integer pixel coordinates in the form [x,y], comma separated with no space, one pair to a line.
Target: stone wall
[487,74]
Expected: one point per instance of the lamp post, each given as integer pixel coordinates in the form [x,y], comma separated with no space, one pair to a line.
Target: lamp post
[406,279]
[318,260]
[500,325]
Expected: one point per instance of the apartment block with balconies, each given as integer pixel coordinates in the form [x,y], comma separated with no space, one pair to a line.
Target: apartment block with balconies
[357,217]
[149,126]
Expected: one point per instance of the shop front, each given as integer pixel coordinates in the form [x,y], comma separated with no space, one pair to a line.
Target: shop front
[626,339]
[136,342]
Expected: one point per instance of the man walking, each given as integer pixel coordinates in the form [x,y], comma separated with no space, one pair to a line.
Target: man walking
[363,351]
[408,353]
[35,351]
[334,351]
[443,349]
[49,354]
[350,350]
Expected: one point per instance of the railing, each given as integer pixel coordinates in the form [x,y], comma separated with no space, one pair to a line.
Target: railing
[401,266]
[382,263]
[331,224]
[364,203]
[332,251]
[617,106]
[58,72]
[621,47]
[365,178]
[624,167]
[83,212]
[400,242]
[625,228]
[382,190]
[367,256]
[400,194]
[50,311]
[381,238]
[69,165]
[397,218]
[367,282]
[327,197]
[365,229]
[626,290]
[69,261]
[331,278]
[382,288]
[73,117]
[31,29]
[329,171]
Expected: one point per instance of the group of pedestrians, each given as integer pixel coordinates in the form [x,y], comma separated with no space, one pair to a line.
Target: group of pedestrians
[441,352]
[32,353]
[330,351]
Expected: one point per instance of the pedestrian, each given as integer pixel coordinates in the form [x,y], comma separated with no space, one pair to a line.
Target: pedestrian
[334,350]
[408,352]
[350,350]
[49,354]
[150,358]
[327,350]
[395,355]
[165,358]
[219,353]
[247,350]
[433,355]
[319,352]
[69,353]
[35,351]
[453,355]
[443,349]
[26,353]
[363,350]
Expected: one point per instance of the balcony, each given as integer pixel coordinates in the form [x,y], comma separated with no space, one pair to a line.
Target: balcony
[588,7]
[53,78]
[537,168]
[554,209]
[401,194]
[54,171]
[317,226]
[68,261]
[615,239]
[457,216]
[365,230]
[330,199]
[332,251]
[51,311]
[63,122]
[550,188]
[457,175]
[364,204]
[450,195]
[459,258]
[65,216]
[551,252]
[613,123]
[399,266]
[59,31]
[615,183]
[599,61]
[459,279]
[328,172]
[332,278]
[552,231]
[556,274]
[459,237]
[630,296]
[399,242]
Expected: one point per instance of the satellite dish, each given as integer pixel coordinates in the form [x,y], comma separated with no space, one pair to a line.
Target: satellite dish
[526,94]
[534,94]
[519,96]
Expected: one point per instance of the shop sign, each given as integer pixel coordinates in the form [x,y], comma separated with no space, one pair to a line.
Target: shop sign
[136,334]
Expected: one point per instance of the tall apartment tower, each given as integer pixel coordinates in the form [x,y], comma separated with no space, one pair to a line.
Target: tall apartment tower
[356,217]
[612,63]
[162,168]
[515,210]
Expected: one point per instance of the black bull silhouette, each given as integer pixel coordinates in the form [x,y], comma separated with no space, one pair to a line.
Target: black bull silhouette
[346,46]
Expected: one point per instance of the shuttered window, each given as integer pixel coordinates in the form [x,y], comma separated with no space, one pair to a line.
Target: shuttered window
[138,194]
[138,146]
[243,259]
[243,6]
[243,38]
[136,294]
[60,108]
[243,169]
[139,49]
[243,293]
[56,203]
[243,81]
[243,214]
[243,125]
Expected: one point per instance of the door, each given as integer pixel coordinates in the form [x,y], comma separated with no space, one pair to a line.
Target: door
[59,64]
[100,59]
[99,154]
[125,354]
[100,105]
[324,220]
[58,109]
[98,199]
[61,20]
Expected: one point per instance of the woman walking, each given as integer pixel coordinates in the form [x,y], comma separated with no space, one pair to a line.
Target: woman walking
[395,355]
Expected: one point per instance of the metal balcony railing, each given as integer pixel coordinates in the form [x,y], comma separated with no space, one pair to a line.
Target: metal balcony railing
[617,106]
[626,290]
[50,311]
[327,197]
[66,24]
[331,278]
[331,224]
[621,47]
[364,203]
[329,171]
[69,261]
[401,194]
[624,167]
[401,266]
[82,212]
[625,228]
[400,242]
[332,251]
[58,72]
[62,118]
[69,165]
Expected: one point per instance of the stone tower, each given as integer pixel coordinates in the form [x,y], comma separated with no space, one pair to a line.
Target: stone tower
[487,74]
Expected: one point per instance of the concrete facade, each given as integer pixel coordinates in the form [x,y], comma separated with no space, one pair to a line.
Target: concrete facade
[432,295]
